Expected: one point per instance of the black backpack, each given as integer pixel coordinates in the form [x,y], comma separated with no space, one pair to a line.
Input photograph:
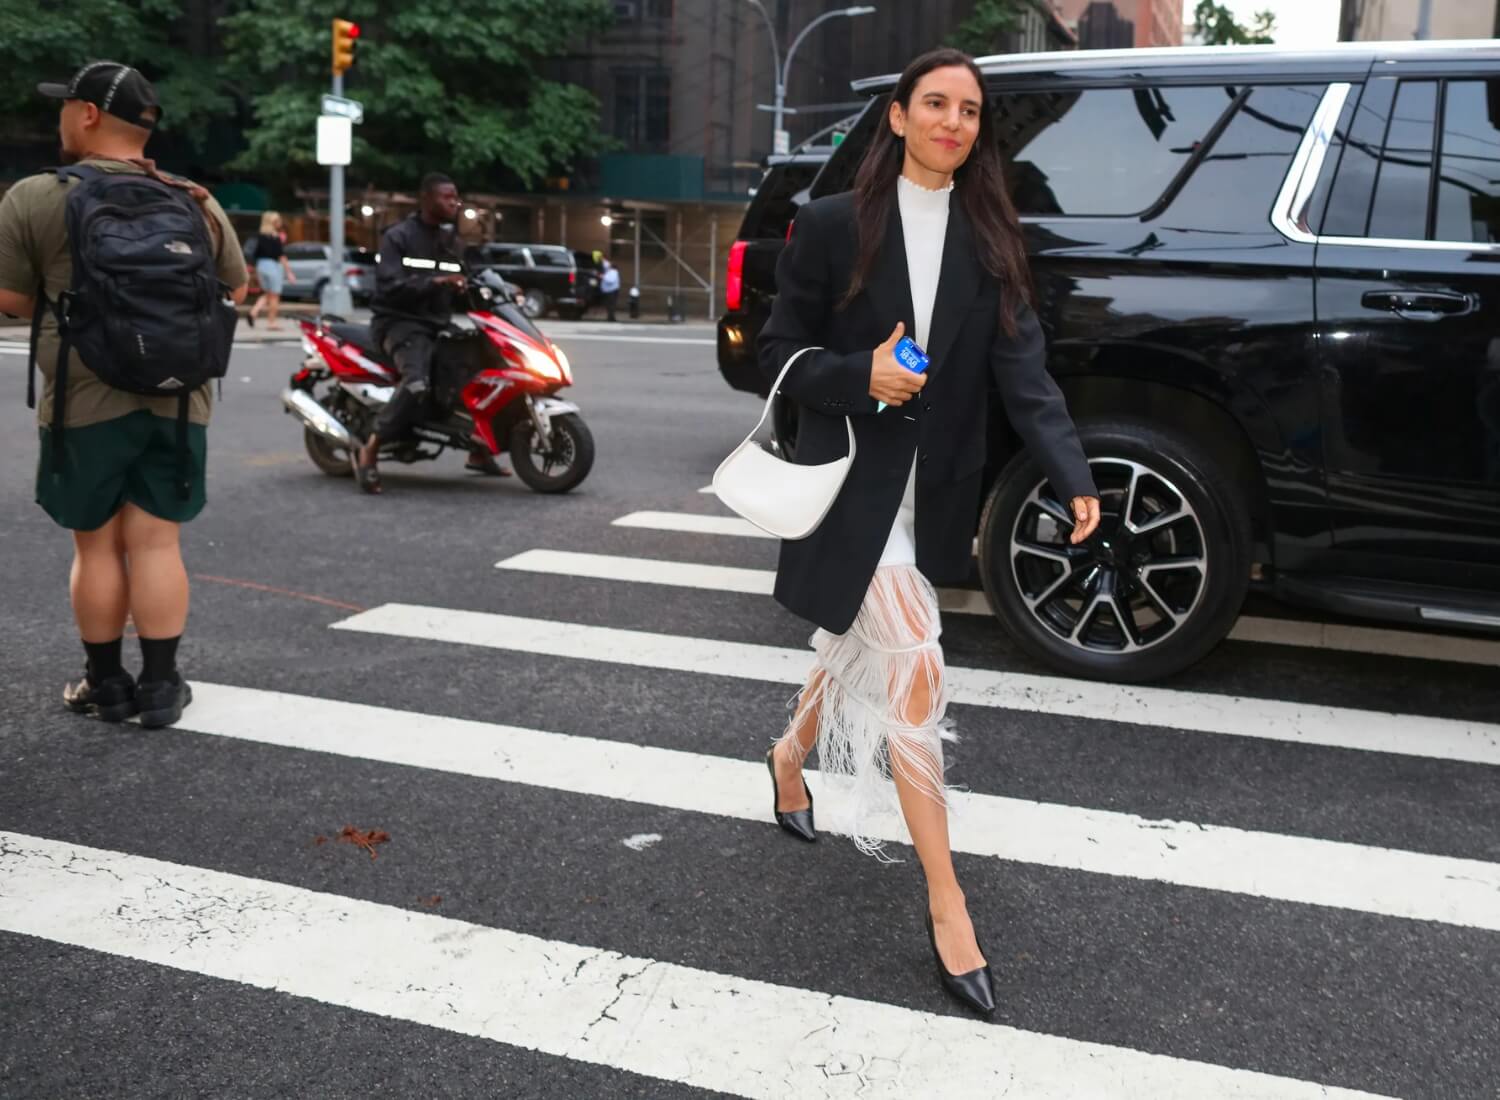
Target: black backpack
[146,310]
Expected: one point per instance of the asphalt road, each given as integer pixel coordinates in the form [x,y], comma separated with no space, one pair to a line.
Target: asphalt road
[1175,905]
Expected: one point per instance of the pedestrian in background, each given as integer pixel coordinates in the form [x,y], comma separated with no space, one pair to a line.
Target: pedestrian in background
[928,243]
[113,468]
[609,287]
[272,270]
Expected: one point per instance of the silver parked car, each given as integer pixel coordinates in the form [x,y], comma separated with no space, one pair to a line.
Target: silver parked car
[309,262]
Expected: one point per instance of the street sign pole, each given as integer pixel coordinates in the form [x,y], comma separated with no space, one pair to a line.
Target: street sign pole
[336,297]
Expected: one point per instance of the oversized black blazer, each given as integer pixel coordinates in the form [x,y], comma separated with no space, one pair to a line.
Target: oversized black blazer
[824,577]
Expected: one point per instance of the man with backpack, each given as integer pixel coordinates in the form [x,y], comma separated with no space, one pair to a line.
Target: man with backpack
[130,278]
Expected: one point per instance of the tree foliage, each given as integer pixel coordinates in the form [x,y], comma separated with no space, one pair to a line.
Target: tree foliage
[50,40]
[984,31]
[456,86]
[1218,26]
[453,87]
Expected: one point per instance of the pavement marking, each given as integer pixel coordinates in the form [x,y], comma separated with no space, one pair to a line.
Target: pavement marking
[1303,870]
[1466,740]
[642,1015]
[563,338]
[692,524]
[706,489]
[15,351]
[714,578]
[1291,632]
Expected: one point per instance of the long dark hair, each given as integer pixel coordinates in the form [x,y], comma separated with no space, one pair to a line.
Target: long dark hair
[978,183]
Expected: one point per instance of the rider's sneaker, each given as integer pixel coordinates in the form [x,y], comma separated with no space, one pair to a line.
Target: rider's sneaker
[162,702]
[111,699]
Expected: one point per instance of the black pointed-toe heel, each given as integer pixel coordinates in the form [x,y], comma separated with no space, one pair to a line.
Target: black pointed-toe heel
[798,822]
[976,988]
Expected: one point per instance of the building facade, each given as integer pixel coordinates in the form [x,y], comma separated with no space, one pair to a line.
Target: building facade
[1398,20]
[1123,24]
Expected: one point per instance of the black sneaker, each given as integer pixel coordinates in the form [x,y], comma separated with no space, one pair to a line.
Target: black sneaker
[111,699]
[162,702]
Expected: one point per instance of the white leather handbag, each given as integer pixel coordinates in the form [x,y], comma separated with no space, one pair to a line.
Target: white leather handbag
[780,497]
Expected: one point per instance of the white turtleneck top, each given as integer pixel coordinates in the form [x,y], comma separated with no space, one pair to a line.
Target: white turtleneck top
[924,225]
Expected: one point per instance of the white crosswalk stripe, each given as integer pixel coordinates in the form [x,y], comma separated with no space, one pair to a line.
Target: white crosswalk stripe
[1287,868]
[676,1023]
[1470,741]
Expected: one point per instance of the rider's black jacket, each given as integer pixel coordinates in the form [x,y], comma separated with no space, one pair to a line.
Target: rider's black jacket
[412,255]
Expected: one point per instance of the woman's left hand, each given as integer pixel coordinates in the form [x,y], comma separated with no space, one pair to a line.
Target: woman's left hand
[1086,518]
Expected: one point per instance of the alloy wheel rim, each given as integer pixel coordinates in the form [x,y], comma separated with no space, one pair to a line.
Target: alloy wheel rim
[1131,585]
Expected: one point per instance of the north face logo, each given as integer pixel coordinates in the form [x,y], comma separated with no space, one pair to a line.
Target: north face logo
[169,384]
[181,248]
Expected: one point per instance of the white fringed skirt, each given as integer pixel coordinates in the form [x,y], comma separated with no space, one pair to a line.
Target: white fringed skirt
[881,700]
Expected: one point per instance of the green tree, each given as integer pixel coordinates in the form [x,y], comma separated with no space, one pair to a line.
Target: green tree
[50,40]
[1218,26]
[984,31]
[454,86]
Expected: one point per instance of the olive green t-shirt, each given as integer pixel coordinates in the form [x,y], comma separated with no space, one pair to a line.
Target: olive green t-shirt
[34,250]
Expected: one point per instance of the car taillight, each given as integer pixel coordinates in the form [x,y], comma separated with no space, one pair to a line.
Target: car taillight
[572,278]
[353,271]
[734,285]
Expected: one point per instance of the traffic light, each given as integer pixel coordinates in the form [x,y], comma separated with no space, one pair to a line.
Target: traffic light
[344,34]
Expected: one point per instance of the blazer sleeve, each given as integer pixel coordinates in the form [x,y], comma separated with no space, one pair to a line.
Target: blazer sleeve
[1036,409]
[826,381]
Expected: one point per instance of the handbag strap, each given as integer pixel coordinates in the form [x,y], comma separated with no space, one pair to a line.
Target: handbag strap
[776,388]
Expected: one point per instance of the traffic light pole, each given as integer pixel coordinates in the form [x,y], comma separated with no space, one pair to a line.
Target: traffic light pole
[336,297]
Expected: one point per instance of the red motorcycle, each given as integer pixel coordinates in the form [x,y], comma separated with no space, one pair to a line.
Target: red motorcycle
[495,378]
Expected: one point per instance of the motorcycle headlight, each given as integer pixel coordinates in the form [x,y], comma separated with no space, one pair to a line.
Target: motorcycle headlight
[562,361]
[540,364]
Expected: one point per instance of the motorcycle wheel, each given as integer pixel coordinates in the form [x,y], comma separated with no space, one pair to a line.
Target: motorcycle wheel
[326,455]
[563,467]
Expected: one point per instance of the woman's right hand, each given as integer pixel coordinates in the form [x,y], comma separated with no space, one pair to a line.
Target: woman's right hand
[889,380]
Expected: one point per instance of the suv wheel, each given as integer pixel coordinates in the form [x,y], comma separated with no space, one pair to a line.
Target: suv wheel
[535,304]
[1156,587]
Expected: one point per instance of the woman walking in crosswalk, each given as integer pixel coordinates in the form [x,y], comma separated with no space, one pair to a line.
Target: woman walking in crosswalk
[926,245]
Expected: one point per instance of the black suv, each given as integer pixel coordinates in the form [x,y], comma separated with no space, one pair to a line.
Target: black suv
[548,274]
[1271,283]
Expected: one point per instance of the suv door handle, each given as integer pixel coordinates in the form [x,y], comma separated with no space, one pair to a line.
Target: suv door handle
[1420,305]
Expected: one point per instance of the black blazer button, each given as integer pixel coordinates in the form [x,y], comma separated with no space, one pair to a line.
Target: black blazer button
[926,407]
[922,460]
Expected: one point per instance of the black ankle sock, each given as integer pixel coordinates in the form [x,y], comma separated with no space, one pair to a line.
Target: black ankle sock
[159,659]
[104,659]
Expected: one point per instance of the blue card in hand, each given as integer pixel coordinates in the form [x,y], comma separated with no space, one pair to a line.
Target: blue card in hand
[910,356]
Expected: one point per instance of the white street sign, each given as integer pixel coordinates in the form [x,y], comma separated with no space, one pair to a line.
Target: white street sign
[335,139]
[352,109]
[783,143]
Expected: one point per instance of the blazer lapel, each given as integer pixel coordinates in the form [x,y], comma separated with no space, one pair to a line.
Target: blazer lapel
[889,287]
[959,280]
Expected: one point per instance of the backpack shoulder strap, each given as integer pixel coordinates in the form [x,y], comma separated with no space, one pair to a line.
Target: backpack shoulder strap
[36,335]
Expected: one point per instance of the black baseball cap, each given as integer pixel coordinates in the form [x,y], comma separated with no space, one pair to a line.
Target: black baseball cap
[115,89]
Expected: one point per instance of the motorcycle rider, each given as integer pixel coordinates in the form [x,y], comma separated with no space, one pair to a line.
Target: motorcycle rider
[419,276]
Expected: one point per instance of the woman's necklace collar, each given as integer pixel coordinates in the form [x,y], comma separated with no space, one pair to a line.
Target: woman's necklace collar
[904,178]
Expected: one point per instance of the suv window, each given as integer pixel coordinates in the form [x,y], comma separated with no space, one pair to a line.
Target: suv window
[305,252]
[1137,141]
[1384,187]
[1468,191]
[1236,180]
[508,255]
[552,257]
[1404,175]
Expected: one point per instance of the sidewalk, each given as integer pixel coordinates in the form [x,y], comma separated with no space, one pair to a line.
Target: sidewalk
[14,330]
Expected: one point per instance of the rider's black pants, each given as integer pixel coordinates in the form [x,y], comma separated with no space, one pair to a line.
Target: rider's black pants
[408,345]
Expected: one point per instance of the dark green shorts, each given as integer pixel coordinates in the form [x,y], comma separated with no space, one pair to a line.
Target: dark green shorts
[132,459]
